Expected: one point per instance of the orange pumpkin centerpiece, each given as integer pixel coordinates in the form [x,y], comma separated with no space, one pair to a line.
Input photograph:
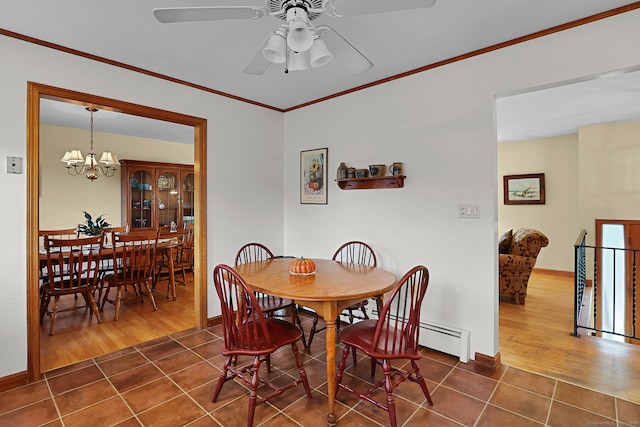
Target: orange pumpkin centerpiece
[302,267]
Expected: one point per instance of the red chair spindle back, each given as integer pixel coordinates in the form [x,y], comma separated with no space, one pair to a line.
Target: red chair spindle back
[253,252]
[356,252]
[242,318]
[398,329]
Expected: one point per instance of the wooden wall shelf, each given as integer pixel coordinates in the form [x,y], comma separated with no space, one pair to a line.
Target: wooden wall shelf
[371,182]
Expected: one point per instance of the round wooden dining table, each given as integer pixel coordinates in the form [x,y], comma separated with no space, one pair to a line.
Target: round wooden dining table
[330,290]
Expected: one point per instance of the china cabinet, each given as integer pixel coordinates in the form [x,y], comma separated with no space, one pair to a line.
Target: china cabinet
[157,194]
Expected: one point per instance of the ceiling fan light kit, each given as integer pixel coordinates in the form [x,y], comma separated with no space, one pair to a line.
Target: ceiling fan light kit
[319,53]
[297,43]
[298,61]
[276,49]
[300,37]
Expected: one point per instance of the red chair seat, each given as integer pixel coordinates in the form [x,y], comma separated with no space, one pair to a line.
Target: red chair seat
[361,334]
[280,333]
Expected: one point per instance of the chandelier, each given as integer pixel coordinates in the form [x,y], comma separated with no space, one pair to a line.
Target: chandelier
[76,164]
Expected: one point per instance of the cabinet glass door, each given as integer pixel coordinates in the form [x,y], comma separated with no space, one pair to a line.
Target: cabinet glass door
[141,199]
[167,203]
[188,199]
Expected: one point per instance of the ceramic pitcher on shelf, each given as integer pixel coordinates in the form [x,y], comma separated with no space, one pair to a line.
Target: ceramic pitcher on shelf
[342,171]
[396,168]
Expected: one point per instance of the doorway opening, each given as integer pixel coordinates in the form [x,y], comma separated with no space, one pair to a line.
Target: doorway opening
[35,93]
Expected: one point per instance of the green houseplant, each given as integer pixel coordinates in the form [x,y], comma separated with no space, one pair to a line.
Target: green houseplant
[91,228]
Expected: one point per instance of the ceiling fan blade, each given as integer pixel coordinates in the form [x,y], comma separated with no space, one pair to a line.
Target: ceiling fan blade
[344,51]
[346,8]
[210,13]
[258,63]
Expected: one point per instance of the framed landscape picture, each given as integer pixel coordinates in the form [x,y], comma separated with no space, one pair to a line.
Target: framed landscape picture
[313,176]
[526,189]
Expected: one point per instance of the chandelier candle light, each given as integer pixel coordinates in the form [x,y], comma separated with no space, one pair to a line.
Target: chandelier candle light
[77,164]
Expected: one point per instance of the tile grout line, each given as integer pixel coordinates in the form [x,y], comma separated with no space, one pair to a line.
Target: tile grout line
[167,376]
[53,399]
[553,394]
[493,392]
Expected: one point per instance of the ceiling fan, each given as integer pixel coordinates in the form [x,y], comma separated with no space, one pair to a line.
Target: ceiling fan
[297,42]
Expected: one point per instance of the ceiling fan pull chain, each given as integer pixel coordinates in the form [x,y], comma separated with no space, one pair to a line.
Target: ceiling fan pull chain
[286,62]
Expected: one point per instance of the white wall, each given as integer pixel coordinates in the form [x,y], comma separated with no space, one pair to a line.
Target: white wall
[63,197]
[609,173]
[557,158]
[441,124]
[238,209]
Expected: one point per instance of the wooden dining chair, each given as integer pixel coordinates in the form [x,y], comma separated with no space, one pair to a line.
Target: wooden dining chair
[181,254]
[72,267]
[133,266]
[170,251]
[106,265]
[184,254]
[248,332]
[62,233]
[119,230]
[269,304]
[353,252]
[393,336]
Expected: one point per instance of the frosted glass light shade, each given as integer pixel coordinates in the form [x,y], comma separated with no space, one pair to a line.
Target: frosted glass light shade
[276,49]
[298,61]
[319,53]
[300,38]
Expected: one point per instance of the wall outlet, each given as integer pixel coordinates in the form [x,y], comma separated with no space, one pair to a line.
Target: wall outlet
[14,164]
[468,210]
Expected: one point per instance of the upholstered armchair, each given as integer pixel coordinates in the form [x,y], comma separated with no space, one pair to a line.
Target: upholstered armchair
[518,251]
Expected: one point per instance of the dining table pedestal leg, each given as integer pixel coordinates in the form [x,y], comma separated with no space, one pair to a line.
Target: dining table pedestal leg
[331,370]
[329,310]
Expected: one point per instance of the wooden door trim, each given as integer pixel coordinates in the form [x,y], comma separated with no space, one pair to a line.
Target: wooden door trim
[35,92]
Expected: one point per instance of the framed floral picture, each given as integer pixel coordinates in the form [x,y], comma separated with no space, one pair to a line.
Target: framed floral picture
[313,176]
[524,189]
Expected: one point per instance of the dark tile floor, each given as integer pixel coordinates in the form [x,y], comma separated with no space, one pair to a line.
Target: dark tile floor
[170,382]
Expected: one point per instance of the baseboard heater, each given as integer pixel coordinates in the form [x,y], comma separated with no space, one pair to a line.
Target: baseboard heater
[446,339]
[443,338]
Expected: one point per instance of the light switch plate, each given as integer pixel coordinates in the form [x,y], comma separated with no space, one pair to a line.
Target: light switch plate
[468,210]
[14,164]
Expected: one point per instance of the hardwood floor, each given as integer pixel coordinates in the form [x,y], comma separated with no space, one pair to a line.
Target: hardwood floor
[77,335]
[534,337]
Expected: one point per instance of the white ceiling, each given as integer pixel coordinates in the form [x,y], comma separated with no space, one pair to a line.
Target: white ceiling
[76,116]
[564,107]
[212,54]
